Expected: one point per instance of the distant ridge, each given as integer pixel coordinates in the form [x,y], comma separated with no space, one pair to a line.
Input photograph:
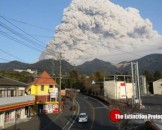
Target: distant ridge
[151,62]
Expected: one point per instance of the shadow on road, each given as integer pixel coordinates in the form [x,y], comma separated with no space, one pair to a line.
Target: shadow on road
[47,122]
[39,122]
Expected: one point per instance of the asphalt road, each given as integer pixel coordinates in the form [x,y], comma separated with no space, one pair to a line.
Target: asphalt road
[59,121]
[151,100]
[67,120]
[97,115]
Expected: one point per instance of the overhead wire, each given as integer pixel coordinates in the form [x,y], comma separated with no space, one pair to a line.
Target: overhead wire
[26,39]
[49,52]
[11,55]
[19,41]
[35,35]
[4,59]
[20,36]
[35,26]
[37,41]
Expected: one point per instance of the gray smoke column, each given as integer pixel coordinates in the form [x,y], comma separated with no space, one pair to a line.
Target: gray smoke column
[101,29]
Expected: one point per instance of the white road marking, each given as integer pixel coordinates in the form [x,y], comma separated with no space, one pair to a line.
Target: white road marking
[99,102]
[69,121]
[76,116]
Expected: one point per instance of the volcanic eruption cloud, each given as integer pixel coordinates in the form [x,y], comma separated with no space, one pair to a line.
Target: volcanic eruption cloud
[101,29]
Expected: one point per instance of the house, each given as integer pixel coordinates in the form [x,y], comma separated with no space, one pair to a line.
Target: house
[46,93]
[14,103]
[118,87]
[157,87]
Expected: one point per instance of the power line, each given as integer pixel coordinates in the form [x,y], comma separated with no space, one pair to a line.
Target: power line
[20,42]
[10,54]
[20,36]
[35,35]
[24,44]
[4,59]
[25,23]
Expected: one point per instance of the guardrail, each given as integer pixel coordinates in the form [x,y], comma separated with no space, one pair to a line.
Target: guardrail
[13,100]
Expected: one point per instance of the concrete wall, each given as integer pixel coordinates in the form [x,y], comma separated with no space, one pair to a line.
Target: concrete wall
[157,87]
[22,114]
[129,90]
[2,120]
[114,90]
[143,85]
[109,89]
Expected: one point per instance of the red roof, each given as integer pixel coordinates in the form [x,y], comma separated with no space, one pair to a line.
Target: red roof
[44,79]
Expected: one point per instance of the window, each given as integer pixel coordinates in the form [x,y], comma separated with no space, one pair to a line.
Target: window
[51,86]
[42,87]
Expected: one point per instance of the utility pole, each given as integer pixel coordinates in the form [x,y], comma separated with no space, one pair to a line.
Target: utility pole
[136,84]
[60,58]
[52,68]
[35,74]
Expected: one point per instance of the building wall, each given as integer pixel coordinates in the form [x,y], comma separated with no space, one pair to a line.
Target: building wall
[42,98]
[129,90]
[2,120]
[143,85]
[36,90]
[22,114]
[157,87]
[115,90]
[109,89]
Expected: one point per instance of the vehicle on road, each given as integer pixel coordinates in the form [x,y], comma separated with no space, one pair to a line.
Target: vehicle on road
[83,117]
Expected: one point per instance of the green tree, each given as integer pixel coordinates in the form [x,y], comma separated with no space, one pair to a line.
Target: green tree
[73,74]
[73,80]
[157,75]
[98,76]
[148,75]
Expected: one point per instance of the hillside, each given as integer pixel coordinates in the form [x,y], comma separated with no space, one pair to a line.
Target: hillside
[150,62]
[97,65]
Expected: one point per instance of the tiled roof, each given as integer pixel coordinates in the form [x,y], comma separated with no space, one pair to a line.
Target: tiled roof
[44,79]
[7,82]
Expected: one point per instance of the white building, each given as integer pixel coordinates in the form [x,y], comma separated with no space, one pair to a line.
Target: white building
[157,87]
[119,87]
[27,70]
[14,104]
[143,85]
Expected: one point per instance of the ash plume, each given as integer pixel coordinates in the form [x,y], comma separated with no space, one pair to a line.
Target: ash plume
[101,29]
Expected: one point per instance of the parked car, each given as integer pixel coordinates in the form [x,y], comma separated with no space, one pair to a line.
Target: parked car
[82,117]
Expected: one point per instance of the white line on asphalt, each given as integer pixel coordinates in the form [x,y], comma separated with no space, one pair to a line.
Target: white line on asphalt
[98,101]
[76,116]
[69,121]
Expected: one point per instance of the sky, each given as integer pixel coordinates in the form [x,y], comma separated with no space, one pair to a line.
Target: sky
[35,22]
